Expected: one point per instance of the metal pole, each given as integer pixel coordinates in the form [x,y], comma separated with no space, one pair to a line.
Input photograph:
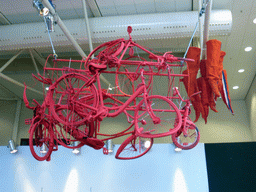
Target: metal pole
[87,26]
[64,29]
[200,27]
[40,59]
[16,122]
[18,83]
[4,18]
[34,62]
[10,61]
[206,26]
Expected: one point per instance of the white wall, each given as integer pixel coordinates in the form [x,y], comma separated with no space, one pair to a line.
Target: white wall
[161,169]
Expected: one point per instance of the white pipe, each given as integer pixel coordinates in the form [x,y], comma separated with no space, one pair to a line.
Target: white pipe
[87,26]
[206,26]
[9,99]
[16,121]
[16,96]
[33,60]
[200,27]
[10,61]
[40,59]
[4,18]
[103,29]
[18,83]
[64,29]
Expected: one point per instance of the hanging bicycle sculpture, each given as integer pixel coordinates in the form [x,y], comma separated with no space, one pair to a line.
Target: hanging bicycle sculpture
[77,102]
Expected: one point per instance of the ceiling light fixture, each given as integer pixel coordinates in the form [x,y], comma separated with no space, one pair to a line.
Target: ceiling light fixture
[235,87]
[147,144]
[43,11]
[76,150]
[12,146]
[254,21]
[43,149]
[177,149]
[46,88]
[240,70]
[248,49]
[110,146]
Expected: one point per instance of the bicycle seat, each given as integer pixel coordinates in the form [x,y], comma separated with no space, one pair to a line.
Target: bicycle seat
[95,67]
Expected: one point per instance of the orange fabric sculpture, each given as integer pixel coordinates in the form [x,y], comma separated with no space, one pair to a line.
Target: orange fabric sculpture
[219,72]
[191,82]
[202,86]
[213,60]
[207,89]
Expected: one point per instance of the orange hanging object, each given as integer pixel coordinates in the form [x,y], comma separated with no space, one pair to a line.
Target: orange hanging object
[213,59]
[203,69]
[196,100]
[219,72]
[193,53]
[204,97]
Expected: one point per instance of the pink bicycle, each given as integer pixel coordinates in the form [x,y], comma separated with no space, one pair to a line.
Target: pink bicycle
[188,136]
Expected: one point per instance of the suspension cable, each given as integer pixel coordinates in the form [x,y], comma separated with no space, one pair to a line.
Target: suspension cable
[202,11]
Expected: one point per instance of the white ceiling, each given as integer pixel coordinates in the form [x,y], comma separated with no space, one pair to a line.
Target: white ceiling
[242,34]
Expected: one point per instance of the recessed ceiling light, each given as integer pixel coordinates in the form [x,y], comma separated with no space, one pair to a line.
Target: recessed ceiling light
[235,87]
[248,49]
[241,70]
[254,20]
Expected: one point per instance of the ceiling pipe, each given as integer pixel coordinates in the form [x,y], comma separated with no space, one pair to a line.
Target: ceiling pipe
[10,61]
[200,27]
[206,26]
[94,8]
[40,59]
[64,29]
[9,98]
[4,18]
[16,121]
[18,83]
[33,60]
[145,27]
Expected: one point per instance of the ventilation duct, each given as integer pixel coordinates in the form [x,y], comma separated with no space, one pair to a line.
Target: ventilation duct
[150,26]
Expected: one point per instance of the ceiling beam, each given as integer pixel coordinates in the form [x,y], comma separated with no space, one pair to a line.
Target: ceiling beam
[16,121]
[94,8]
[4,18]
[10,61]
[16,96]
[87,25]
[33,60]
[19,84]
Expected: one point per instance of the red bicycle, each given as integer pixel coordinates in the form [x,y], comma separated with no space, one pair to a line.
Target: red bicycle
[188,136]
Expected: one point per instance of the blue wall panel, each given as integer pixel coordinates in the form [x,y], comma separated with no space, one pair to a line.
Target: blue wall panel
[161,169]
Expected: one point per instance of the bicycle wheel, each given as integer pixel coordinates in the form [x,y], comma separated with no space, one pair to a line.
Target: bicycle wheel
[188,142]
[167,118]
[41,135]
[104,51]
[72,102]
[134,147]
[66,135]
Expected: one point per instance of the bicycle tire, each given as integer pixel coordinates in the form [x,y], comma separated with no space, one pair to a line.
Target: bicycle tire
[185,143]
[67,96]
[41,134]
[111,48]
[133,148]
[166,112]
